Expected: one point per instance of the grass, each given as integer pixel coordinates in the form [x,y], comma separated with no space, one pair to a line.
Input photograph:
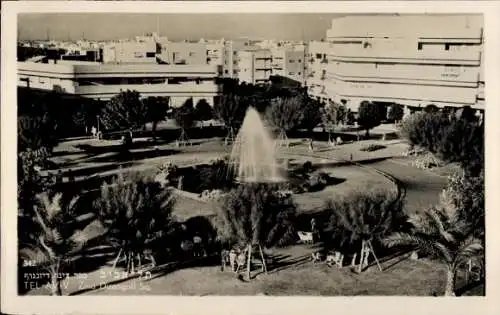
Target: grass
[408,277]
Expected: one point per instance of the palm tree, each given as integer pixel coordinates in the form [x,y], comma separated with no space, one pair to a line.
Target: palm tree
[56,241]
[360,218]
[136,213]
[441,232]
[255,215]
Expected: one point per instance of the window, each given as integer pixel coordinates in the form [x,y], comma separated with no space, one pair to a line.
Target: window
[300,60]
[191,54]
[446,46]
[138,54]
[420,46]
[298,73]
[291,73]
[226,71]
[291,61]
[319,56]
[150,54]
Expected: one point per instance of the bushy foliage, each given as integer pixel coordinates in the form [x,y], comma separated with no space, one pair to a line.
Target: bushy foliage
[31,182]
[332,115]
[370,115]
[285,113]
[203,110]
[256,214]
[136,213]
[466,195]
[395,112]
[35,132]
[124,111]
[451,139]
[184,116]
[156,110]
[373,147]
[217,175]
[231,109]
[365,216]
[311,114]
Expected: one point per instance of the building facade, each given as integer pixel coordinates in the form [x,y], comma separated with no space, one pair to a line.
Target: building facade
[254,66]
[409,60]
[290,63]
[103,81]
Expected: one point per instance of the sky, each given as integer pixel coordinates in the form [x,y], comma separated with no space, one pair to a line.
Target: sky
[105,26]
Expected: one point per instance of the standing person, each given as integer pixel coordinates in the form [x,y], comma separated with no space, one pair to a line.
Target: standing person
[93,130]
[311,147]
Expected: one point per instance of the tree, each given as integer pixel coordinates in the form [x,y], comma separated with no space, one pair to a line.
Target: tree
[184,117]
[369,116]
[441,232]
[360,218]
[285,114]
[256,215]
[156,110]
[136,213]
[231,110]
[85,113]
[124,111]
[203,110]
[452,139]
[311,114]
[57,240]
[331,115]
[395,112]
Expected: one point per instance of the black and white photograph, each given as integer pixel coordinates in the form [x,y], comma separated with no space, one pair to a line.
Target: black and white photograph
[241,154]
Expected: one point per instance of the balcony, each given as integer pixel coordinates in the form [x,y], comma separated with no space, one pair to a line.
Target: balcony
[187,89]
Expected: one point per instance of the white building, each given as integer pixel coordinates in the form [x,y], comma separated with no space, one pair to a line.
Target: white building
[289,63]
[103,81]
[412,60]
[254,66]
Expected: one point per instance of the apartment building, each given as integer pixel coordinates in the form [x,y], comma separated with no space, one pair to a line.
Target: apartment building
[413,60]
[215,53]
[254,66]
[289,63]
[103,81]
[183,53]
[142,51]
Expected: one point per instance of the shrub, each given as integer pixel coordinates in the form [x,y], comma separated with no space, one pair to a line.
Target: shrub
[317,181]
[373,147]
[450,138]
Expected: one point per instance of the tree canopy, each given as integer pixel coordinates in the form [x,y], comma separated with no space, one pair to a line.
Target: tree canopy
[203,110]
[124,111]
[231,110]
[452,139]
[370,115]
[286,114]
[184,116]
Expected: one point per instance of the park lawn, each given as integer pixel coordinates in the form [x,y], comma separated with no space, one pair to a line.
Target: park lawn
[408,277]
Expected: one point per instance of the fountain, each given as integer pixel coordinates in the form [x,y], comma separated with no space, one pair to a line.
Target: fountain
[253,156]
